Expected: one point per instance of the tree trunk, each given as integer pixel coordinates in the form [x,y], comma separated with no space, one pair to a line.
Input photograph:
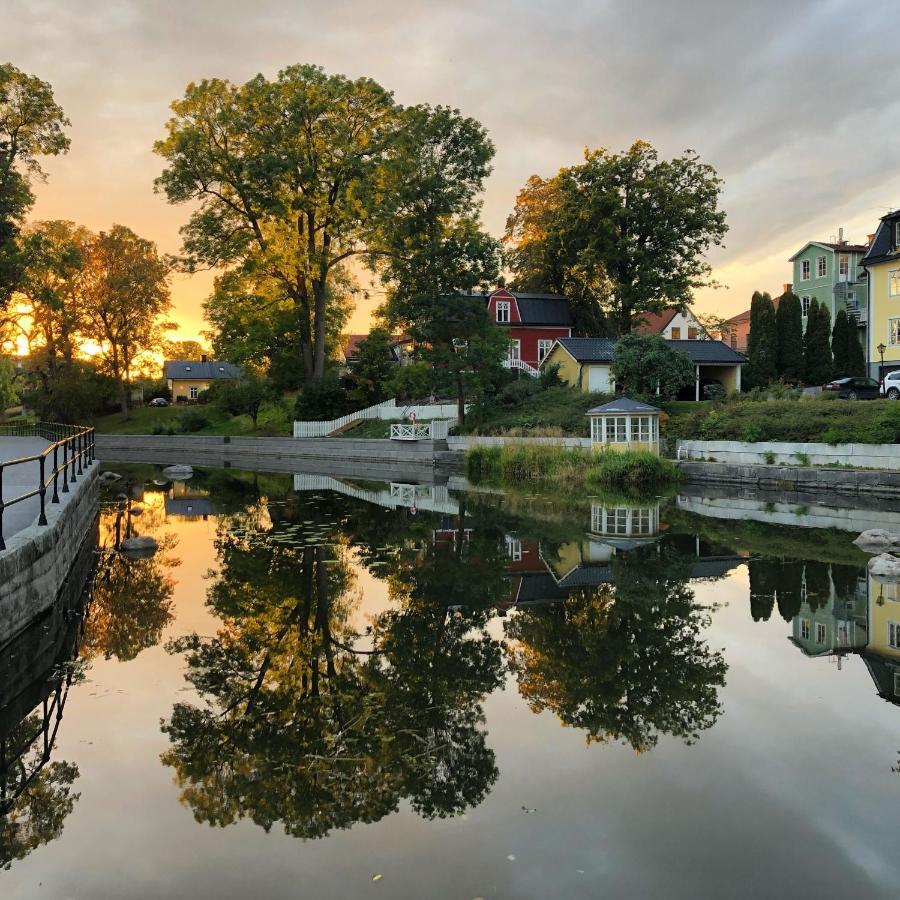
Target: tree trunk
[319,333]
[460,398]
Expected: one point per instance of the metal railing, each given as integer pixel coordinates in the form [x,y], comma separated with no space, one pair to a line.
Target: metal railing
[71,448]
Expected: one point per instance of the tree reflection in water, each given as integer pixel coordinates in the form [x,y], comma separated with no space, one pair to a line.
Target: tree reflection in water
[306,723]
[624,661]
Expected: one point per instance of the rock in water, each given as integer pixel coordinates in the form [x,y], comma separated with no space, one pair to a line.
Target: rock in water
[885,567]
[110,477]
[177,473]
[141,547]
[877,540]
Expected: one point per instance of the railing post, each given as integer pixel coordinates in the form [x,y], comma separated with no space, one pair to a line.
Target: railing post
[73,477]
[55,497]
[42,518]
[2,507]
[65,468]
[80,449]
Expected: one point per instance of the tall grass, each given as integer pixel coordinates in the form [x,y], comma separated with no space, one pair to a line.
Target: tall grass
[573,468]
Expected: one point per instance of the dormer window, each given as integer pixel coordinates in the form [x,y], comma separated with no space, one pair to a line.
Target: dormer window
[503,310]
[187,368]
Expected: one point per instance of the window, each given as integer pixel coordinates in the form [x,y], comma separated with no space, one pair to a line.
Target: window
[515,349]
[616,430]
[896,235]
[804,629]
[676,334]
[804,270]
[894,635]
[894,332]
[543,349]
[894,277]
[692,334]
[194,392]
[187,368]
[820,633]
[734,342]
[804,302]
[640,429]
[503,310]
[851,296]
[513,548]
[843,266]
[821,266]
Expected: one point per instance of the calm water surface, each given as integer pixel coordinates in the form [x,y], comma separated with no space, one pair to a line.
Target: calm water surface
[332,690]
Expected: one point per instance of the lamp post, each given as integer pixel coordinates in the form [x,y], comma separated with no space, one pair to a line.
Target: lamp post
[881,348]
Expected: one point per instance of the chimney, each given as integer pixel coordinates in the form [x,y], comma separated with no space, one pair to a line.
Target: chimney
[204,357]
[870,237]
[787,287]
[840,235]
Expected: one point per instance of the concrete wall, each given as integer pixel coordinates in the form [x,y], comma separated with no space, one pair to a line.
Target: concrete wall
[463,442]
[37,560]
[863,456]
[787,478]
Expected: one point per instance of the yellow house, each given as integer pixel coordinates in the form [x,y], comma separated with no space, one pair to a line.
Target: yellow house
[585,363]
[187,378]
[625,424]
[882,655]
[882,264]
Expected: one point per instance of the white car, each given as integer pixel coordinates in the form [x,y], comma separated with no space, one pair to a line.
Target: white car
[890,385]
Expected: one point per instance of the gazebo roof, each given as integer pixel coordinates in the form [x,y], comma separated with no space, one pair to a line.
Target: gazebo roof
[623,405]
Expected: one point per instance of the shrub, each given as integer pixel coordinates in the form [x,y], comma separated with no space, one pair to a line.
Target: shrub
[192,420]
[324,400]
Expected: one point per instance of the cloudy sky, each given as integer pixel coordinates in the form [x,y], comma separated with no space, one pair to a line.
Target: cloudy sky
[795,102]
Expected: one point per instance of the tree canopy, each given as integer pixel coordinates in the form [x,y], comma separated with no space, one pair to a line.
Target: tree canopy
[645,364]
[817,359]
[762,342]
[789,329]
[620,234]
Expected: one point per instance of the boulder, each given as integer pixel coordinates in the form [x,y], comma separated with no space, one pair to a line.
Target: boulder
[109,477]
[141,547]
[877,540]
[885,567]
[178,473]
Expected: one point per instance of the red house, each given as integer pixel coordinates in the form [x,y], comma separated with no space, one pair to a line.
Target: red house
[533,322]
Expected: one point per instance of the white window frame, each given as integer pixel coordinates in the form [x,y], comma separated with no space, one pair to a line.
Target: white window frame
[616,429]
[820,633]
[804,305]
[894,332]
[805,269]
[193,392]
[544,347]
[844,266]
[804,629]
[894,282]
[893,635]
[503,310]
[513,548]
[515,348]
[821,266]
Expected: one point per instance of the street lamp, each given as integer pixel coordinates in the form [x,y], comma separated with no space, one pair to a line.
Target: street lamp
[881,348]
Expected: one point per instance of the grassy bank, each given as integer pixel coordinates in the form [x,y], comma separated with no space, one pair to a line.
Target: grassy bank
[571,469]
[830,421]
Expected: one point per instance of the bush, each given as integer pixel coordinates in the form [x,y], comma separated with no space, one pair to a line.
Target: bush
[324,400]
[192,420]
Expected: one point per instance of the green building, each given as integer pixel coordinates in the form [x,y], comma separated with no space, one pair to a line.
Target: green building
[831,273]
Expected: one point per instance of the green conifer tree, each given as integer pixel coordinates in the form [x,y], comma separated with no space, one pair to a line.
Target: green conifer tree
[789,323]
[856,357]
[762,343]
[840,344]
[818,363]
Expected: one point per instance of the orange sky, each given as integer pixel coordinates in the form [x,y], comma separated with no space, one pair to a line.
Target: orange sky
[545,81]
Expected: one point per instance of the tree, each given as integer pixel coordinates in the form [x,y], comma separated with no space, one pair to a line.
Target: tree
[243,396]
[789,328]
[184,350]
[31,125]
[374,367]
[623,233]
[126,293]
[8,394]
[762,343]
[284,173]
[840,344]
[817,360]
[644,364]
[856,356]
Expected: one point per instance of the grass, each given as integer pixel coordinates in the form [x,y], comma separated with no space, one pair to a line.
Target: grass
[275,420]
[570,468]
[829,421]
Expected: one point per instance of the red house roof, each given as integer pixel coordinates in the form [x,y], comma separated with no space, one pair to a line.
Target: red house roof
[655,323]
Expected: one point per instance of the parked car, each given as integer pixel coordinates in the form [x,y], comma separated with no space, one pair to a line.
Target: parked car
[854,388]
[890,385]
[159,401]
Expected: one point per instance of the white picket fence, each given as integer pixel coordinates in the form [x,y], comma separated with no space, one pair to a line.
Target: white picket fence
[385,411]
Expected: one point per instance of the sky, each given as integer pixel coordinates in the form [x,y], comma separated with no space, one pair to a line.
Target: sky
[793,102]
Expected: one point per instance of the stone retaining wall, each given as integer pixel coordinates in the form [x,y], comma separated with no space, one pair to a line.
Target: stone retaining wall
[791,478]
[462,442]
[38,559]
[785,453]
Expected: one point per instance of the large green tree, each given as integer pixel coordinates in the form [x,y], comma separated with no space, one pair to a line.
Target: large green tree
[31,125]
[789,327]
[645,365]
[621,234]
[839,344]
[762,343]
[818,363]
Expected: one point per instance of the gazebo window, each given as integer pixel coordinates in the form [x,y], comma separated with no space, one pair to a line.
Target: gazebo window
[616,430]
[640,429]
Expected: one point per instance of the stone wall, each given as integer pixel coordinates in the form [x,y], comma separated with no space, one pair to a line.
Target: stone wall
[38,559]
[462,442]
[791,478]
[784,453]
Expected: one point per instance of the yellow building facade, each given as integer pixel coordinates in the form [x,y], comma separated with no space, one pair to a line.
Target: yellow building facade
[882,264]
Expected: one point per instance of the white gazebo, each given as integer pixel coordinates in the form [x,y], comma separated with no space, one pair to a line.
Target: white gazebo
[624,424]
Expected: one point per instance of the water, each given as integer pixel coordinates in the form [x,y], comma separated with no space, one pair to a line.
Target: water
[306,693]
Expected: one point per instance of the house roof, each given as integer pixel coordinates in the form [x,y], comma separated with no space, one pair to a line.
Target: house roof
[656,323]
[198,370]
[745,315]
[825,245]
[882,246]
[538,309]
[622,405]
[352,342]
[602,350]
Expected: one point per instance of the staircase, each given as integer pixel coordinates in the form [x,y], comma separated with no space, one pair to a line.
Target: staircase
[523,366]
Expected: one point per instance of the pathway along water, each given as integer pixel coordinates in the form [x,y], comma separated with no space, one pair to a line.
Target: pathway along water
[499,696]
